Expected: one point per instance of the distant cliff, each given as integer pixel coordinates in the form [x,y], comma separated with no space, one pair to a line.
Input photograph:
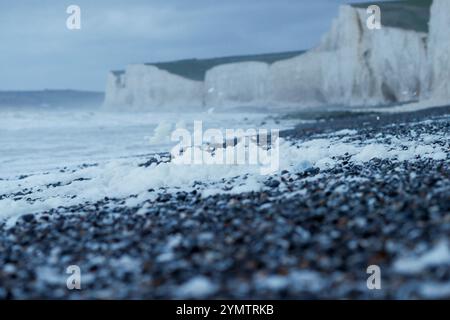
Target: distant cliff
[437,78]
[407,60]
[193,83]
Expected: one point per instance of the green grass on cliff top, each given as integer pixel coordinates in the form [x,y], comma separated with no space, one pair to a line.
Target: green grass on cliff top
[195,69]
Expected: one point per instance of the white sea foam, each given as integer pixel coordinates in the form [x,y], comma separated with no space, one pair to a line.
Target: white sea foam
[439,255]
[121,178]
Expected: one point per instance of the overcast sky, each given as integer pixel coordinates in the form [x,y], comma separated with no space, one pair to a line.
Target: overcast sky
[37,51]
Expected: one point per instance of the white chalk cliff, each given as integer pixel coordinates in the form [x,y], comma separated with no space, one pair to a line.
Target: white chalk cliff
[237,84]
[352,65]
[437,78]
[146,86]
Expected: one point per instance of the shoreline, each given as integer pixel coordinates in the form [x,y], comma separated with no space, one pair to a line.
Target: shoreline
[307,234]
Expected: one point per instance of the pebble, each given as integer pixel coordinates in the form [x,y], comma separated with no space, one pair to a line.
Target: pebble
[258,245]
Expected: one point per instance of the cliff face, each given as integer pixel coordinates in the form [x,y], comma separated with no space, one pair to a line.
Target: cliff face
[115,93]
[237,84]
[328,74]
[192,84]
[144,86]
[438,77]
[352,65]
